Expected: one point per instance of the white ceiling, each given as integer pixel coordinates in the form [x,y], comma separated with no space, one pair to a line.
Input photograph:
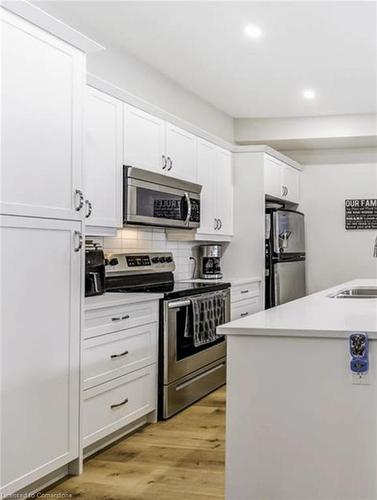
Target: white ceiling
[328,46]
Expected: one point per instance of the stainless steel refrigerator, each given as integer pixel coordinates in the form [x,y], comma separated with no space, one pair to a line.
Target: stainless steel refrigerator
[285,256]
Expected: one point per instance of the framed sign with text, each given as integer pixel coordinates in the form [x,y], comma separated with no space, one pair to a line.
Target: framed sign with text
[361,214]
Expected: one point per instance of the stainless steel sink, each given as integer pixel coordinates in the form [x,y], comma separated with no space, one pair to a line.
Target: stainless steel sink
[362,292]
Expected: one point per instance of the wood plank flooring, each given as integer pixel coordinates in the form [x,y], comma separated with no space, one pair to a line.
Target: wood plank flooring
[179,459]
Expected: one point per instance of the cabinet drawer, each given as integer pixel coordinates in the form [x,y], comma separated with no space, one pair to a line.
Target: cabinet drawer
[110,406]
[113,355]
[245,308]
[246,291]
[114,319]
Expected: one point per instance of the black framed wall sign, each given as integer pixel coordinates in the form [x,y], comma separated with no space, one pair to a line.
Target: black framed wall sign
[361,213]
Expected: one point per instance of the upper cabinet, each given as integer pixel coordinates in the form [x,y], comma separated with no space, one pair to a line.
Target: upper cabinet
[215,176]
[103,159]
[144,140]
[180,153]
[42,86]
[159,146]
[281,181]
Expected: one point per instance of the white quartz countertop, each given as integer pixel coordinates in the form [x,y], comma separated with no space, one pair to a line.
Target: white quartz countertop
[226,279]
[118,299]
[315,315]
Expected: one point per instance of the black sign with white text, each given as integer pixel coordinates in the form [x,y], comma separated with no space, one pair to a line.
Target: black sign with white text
[361,214]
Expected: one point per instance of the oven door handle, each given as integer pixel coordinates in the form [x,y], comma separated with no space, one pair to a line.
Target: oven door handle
[189,208]
[178,304]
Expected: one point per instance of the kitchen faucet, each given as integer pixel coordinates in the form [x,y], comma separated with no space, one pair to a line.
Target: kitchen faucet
[375,248]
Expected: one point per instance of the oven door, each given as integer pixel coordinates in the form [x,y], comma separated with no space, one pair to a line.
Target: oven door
[150,203]
[180,356]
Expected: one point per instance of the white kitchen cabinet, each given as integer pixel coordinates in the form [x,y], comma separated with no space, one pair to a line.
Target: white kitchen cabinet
[41,128]
[224,191]
[281,180]
[40,348]
[153,144]
[144,140]
[291,184]
[180,153]
[103,159]
[245,299]
[215,176]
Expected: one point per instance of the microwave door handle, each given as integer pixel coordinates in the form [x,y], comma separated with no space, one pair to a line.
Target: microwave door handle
[189,209]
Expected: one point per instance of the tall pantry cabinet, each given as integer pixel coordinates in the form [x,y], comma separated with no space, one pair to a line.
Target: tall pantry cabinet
[41,206]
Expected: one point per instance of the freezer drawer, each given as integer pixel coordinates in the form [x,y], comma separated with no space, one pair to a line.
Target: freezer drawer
[289,280]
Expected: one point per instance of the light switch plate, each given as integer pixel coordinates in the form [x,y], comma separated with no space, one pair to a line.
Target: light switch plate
[361,378]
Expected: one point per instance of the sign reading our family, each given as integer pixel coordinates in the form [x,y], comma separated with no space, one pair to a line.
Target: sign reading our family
[361,214]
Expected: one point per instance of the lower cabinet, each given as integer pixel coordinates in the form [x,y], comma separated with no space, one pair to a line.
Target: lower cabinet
[40,348]
[113,405]
[119,367]
[245,299]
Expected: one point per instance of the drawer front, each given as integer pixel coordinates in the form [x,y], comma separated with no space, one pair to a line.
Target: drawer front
[113,355]
[114,319]
[110,406]
[246,291]
[245,308]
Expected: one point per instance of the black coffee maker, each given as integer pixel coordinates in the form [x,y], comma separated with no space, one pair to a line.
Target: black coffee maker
[94,270]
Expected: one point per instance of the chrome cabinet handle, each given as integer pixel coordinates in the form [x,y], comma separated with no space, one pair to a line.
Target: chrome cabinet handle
[189,209]
[121,318]
[244,314]
[170,163]
[77,236]
[116,405]
[89,210]
[216,224]
[163,162]
[244,291]
[221,224]
[287,191]
[113,356]
[79,200]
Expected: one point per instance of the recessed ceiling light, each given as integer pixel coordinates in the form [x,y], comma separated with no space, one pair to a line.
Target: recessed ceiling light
[253,31]
[309,94]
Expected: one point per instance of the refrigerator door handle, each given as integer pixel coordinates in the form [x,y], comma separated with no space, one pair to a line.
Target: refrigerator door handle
[277,287]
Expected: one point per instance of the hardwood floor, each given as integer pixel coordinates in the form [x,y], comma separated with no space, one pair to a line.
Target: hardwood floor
[179,459]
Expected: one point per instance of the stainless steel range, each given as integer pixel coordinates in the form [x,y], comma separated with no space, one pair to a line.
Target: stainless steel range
[191,355]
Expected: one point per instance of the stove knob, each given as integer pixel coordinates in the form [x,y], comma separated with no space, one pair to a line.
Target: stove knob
[162,259]
[114,261]
[169,259]
[155,260]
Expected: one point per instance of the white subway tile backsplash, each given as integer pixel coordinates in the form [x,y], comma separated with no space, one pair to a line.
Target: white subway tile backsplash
[135,239]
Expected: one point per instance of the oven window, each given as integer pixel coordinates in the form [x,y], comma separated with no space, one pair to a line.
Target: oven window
[185,339]
[159,205]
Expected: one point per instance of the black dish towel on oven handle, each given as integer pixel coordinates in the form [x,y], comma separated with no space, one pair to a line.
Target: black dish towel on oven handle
[208,312]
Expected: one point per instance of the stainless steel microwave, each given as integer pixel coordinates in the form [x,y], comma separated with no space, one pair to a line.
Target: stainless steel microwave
[159,200]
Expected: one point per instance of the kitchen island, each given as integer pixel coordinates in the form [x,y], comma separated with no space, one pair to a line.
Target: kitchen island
[300,424]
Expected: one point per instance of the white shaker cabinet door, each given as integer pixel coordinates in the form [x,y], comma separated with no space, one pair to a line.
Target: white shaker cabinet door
[144,140]
[273,177]
[181,152]
[41,123]
[206,177]
[40,332]
[103,159]
[224,191]
[291,184]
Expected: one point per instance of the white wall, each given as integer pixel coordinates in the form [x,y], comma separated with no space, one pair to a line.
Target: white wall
[125,71]
[335,255]
[333,131]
